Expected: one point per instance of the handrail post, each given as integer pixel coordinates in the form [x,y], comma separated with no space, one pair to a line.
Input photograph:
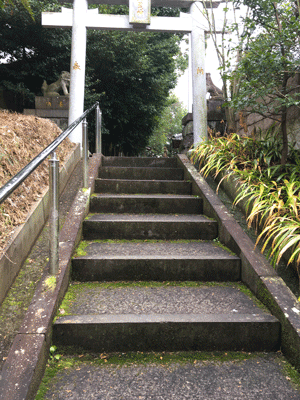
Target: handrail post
[85,153]
[54,216]
[98,146]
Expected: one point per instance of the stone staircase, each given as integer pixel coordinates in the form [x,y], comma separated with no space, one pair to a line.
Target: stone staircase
[150,273]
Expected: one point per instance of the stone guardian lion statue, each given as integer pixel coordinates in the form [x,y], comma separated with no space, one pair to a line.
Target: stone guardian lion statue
[212,89]
[54,88]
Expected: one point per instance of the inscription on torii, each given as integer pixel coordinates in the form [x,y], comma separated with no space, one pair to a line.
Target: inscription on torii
[139,12]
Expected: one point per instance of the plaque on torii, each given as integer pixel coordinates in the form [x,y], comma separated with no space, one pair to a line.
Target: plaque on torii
[81,18]
[139,12]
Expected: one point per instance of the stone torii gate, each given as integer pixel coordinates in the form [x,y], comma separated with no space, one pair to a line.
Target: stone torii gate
[139,19]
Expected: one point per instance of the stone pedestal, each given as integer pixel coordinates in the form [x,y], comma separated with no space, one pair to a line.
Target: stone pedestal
[54,108]
[187,133]
[216,119]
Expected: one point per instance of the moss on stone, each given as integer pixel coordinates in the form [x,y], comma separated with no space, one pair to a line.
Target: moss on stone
[77,358]
[81,249]
[50,283]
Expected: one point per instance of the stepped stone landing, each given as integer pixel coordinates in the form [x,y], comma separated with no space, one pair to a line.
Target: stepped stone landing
[145,225]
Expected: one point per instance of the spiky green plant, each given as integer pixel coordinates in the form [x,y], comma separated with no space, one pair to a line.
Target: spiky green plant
[271,191]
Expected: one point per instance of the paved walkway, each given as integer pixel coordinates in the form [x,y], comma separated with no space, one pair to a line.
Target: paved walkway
[162,375]
[184,376]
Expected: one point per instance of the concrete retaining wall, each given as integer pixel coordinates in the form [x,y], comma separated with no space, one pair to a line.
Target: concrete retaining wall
[24,367]
[26,234]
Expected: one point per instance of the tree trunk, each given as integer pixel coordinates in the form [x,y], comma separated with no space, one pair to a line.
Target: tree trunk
[285,143]
[284,110]
[229,112]
[230,119]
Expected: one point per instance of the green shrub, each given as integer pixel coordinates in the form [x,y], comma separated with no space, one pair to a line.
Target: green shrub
[271,190]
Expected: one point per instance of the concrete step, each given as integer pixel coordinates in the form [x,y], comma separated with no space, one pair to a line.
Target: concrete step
[174,376]
[142,186]
[149,226]
[107,318]
[155,261]
[140,173]
[164,162]
[163,204]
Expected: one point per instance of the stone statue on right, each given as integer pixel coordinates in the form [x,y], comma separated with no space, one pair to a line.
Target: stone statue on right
[212,89]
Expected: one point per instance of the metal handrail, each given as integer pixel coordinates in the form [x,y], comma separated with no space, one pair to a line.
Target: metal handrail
[20,177]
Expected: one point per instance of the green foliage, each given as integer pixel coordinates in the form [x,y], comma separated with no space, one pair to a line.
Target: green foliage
[24,3]
[129,73]
[269,58]
[271,190]
[32,53]
[225,47]
[135,72]
[169,123]
[53,356]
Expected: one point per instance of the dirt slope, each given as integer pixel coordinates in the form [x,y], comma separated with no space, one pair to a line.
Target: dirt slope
[23,137]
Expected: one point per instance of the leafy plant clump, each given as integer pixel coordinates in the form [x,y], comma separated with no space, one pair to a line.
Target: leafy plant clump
[270,190]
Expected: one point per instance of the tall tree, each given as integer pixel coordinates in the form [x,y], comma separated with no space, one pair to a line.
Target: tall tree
[31,53]
[25,4]
[270,58]
[225,37]
[135,71]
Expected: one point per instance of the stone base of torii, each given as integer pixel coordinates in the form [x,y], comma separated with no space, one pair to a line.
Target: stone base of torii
[139,19]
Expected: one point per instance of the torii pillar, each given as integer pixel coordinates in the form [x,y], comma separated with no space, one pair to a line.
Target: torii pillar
[77,67]
[197,44]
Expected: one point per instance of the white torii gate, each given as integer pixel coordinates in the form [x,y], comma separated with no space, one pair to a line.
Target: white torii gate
[139,19]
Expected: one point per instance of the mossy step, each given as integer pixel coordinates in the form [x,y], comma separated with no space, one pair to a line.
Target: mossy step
[169,376]
[146,203]
[164,317]
[149,226]
[138,173]
[153,162]
[142,186]
[154,260]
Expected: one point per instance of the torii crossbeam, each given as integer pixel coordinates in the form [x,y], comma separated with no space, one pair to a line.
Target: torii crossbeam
[139,19]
